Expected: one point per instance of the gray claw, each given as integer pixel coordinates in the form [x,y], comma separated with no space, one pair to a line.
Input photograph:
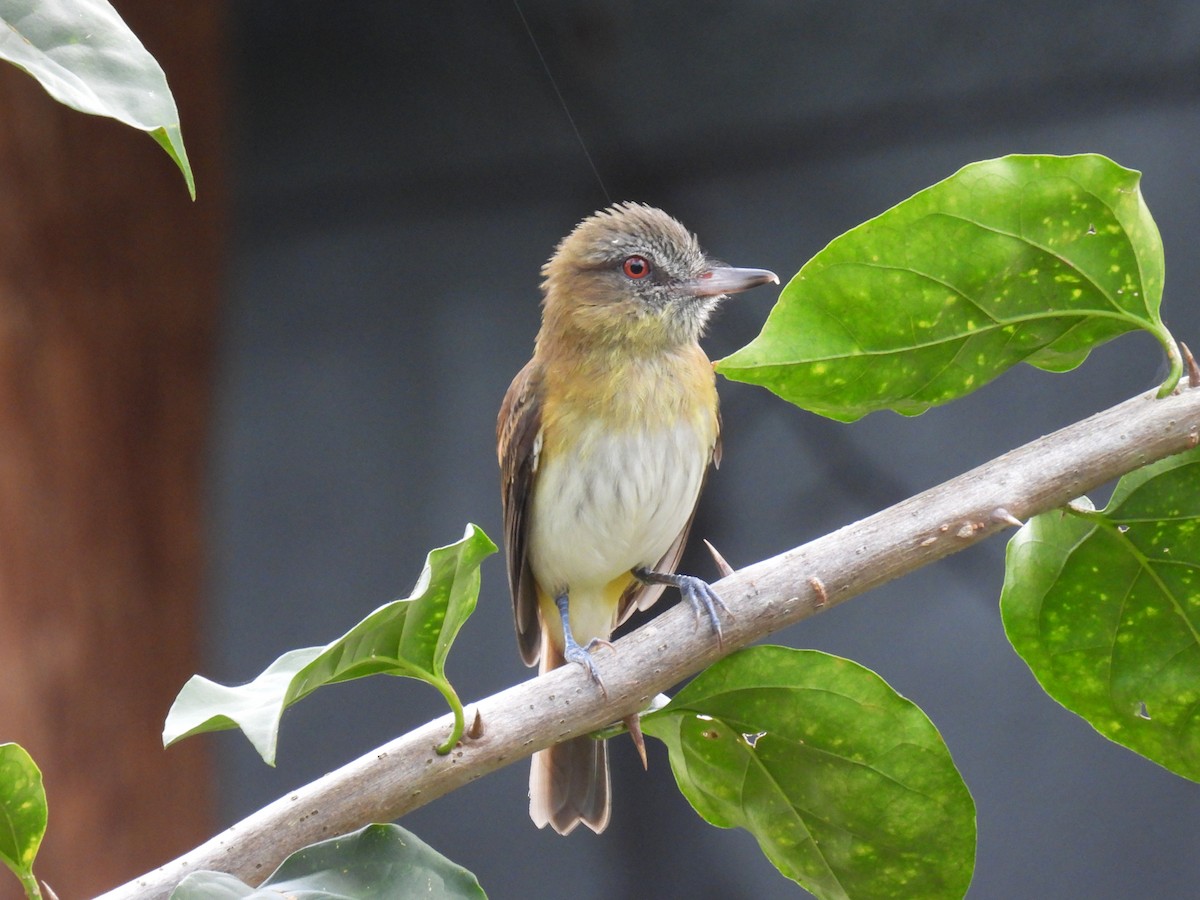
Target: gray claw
[703,600]
[582,657]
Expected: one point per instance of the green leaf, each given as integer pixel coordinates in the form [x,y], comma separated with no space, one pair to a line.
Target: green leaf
[379,862]
[1033,259]
[207,885]
[86,57]
[409,637]
[22,813]
[1104,607]
[847,786]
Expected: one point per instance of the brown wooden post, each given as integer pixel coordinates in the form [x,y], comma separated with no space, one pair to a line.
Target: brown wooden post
[109,283]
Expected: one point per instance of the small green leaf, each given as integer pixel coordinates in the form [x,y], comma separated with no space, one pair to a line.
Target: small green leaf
[379,862]
[1104,607]
[1032,259]
[206,885]
[22,813]
[86,57]
[409,637]
[847,786]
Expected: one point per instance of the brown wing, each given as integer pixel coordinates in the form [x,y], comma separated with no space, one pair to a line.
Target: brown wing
[517,441]
[643,596]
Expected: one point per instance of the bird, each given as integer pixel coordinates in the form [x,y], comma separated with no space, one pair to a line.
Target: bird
[604,439]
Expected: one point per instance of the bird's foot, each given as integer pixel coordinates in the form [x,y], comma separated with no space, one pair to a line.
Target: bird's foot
[583,656]
[696,591]
[703,600]
[573,652]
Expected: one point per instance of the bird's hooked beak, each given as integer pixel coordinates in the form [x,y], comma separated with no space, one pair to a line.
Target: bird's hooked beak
[728,280]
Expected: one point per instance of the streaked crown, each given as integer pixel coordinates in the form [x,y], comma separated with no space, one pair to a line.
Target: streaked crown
[628,273]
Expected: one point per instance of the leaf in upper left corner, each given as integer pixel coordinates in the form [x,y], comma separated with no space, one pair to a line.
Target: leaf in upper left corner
[87,58]
[409,637]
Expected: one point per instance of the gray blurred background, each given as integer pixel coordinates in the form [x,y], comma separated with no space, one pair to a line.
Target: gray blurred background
[402,170]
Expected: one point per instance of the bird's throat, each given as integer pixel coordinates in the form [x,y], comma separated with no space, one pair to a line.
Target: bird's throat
[626,390]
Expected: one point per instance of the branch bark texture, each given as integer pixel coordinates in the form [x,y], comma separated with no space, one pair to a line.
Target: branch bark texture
[765,597]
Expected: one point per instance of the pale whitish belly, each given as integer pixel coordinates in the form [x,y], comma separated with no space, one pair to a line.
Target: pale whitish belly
[618,502]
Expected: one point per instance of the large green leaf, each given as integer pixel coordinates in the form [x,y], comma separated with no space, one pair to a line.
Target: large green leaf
[1104,607]
[379,862]
[408,637]
[22,813]
[847,786]
[1032,259]
[87,58]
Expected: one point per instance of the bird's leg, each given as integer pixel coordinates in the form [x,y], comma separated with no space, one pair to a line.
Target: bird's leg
[697,592]
[572,652]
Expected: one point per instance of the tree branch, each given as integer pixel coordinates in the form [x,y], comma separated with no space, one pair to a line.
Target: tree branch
[765,597]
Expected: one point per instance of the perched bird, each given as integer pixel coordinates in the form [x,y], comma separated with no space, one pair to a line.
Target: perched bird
[604,439]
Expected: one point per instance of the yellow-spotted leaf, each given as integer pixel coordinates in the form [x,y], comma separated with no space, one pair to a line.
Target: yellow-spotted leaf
[846,785]
[379,862]
[1104,607]
[409,637]
[22,814]
[1033,259]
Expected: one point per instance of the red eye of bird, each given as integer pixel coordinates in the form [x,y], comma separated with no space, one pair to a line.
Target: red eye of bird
[636,267]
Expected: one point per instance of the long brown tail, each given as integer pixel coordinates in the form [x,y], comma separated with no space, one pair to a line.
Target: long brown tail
[569,783]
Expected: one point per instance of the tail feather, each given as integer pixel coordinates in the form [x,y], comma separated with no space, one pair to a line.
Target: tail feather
[569,782]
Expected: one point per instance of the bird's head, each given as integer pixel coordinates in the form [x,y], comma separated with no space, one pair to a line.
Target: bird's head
[632,275]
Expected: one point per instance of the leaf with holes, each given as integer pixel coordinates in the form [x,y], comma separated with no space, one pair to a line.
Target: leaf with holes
[379,862]
[86,57]
[847,786]
[1104,607]
[22,813]
[409,637]
[1033,259]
